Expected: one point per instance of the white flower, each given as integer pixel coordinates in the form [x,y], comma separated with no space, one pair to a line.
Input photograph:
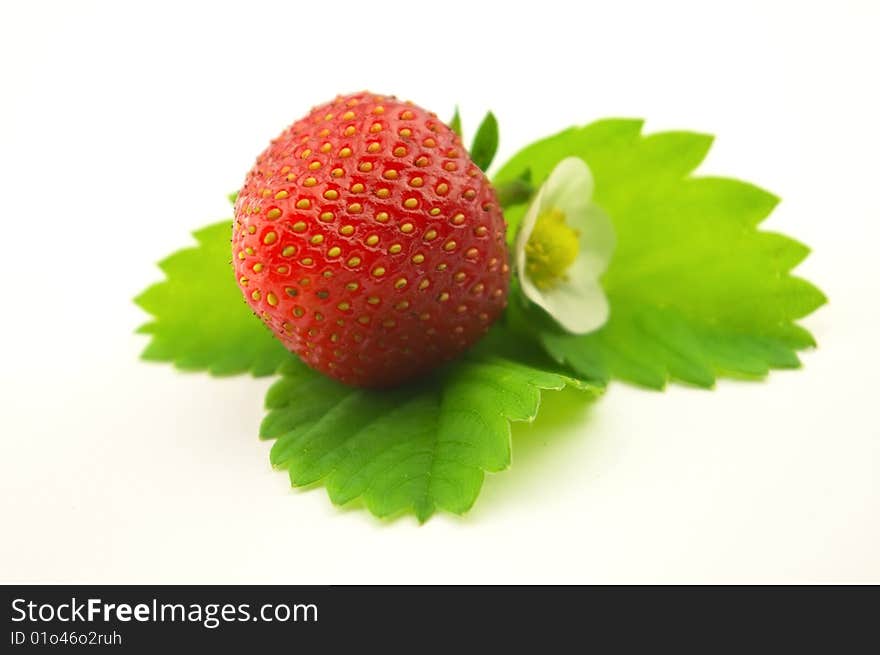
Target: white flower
[564,245]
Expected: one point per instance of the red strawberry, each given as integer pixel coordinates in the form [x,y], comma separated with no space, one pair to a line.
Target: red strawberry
[369,242]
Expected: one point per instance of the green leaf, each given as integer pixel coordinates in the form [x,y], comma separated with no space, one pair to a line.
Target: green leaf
[485,142]
[697,291]
[200,320]
[455,123]
[420,448]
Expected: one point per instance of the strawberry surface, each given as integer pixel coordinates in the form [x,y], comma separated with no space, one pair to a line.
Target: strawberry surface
[369,243]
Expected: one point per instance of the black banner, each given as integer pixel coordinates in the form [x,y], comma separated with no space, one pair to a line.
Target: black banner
[241,618]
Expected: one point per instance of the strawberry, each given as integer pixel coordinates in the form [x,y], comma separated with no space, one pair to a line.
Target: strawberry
[369,243]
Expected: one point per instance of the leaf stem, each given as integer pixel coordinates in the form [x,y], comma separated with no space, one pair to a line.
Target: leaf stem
[514,192]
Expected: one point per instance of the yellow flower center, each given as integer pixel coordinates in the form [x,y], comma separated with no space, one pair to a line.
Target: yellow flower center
[551,250]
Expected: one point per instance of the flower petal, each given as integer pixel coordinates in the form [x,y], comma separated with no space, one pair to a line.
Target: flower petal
[597,240]
[569,187]
[578,305]
[527,225]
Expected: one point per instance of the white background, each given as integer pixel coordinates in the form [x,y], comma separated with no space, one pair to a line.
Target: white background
[124,126]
